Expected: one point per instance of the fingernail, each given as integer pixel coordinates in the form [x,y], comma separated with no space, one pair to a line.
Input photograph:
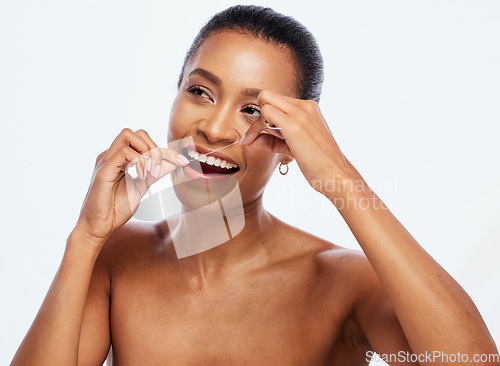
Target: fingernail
[242,138]
[148,165]
[183,159]
[156,173]
[145,173]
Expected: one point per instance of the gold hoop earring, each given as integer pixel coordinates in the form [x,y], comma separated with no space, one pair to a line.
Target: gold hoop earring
[286,168]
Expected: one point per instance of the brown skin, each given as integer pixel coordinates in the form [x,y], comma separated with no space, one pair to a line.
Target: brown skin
[273,295]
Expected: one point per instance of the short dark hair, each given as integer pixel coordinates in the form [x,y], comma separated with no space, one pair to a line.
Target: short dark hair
[274,27]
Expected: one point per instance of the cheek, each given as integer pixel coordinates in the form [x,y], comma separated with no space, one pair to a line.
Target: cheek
[260,168]
[261,163]
[182,119]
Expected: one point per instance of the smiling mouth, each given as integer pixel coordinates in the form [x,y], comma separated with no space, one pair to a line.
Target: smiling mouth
[209,164]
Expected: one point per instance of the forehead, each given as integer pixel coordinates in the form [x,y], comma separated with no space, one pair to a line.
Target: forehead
[244,61]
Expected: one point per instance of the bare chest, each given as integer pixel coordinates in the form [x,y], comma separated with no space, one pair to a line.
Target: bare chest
[266,320]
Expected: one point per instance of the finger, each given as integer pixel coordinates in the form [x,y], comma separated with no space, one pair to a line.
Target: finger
[124,158]
[99,158]
[165,168]
[276,133]
[284,103]
[272,115]
[154,153]
[173,156]
[270,143]
[127,137]
[157,157]
[169,161]
[141,186]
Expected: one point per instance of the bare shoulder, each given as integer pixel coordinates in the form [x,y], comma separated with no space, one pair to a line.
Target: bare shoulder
[347,270]
[349,264]
[352,285]
[131,242]
[339,271]
[346,278]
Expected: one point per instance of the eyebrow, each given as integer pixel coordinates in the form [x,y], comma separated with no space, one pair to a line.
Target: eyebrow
[248,92]
[207,75]
[251,92]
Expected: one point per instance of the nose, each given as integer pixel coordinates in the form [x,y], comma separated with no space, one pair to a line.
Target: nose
[219,125]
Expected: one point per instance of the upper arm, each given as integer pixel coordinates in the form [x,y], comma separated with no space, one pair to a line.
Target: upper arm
[95,338]
[377,319]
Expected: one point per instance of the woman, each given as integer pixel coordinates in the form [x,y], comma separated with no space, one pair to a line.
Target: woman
[271,295]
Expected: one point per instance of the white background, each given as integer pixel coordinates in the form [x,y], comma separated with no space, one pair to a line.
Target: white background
[411,94]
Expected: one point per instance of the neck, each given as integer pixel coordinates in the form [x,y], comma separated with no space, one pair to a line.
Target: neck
[247,248]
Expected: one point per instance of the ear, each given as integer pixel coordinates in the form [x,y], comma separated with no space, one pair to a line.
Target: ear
[286,159]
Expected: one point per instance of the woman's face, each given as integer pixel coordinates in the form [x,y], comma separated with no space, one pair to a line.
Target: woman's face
[217,101]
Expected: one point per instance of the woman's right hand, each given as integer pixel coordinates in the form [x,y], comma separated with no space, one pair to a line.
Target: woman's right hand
[110,201]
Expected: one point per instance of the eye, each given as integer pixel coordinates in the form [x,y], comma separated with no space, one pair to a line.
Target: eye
[252,111]
[196,90]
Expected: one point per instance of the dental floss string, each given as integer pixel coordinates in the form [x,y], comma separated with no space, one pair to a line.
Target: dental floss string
[270,127]
[211,152]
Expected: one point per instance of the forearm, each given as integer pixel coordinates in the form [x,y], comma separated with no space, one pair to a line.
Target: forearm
[53,337]
[436,314]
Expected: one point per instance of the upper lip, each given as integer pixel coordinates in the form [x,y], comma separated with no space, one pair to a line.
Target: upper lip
[217,154]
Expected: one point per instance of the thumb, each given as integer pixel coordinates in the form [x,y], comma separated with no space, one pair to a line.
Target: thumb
[268,142]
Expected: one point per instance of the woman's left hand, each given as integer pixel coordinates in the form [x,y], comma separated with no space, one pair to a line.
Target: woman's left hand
[304,135]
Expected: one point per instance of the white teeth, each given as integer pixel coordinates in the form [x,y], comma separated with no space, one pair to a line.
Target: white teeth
[211,160]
